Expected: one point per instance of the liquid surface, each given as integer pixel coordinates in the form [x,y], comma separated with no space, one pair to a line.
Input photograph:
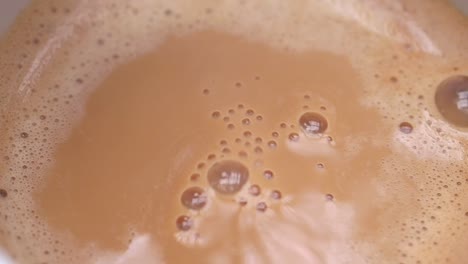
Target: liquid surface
[170,133]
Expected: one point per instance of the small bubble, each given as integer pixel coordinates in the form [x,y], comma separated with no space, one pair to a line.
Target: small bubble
[275,134]
[238,84]
[246,121]
[228,176]
[247,144]
[226,150]
[261,207]
[313,123]
[216,115]
[406,128]
[238,140]
[226,119]
[168,12]
[323,108]
[211,157]
[254,190]
[294,137]
[24,135]
[223,142]
[329,197]
[242,201]
[258,150]
[194,177]
[194,198]
[258,140]
[240,106]
[247,134]
[307,97]
[320,166]
[3,193]
[276,195]
[243,154]
[200,165]
[231,126]
[42,117]
[268,174]
[259,118]
[231,111]
[184,223]
[283,125]
[250,112]
[393,79]
[79,80]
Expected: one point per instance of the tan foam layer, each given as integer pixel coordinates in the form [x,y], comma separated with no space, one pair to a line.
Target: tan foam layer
[59,51]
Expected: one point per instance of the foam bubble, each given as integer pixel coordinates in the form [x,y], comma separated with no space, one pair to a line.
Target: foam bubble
[313,123]
[67,52]
[228,176]
[184,223]
[451,99]
[194,198]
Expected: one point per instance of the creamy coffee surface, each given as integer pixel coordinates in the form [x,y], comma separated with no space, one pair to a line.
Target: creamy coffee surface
[235,132]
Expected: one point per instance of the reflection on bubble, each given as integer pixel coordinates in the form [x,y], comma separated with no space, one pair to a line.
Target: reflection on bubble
[228,176]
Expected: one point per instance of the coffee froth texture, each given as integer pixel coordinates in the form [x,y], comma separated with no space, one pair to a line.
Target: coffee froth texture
[234,132]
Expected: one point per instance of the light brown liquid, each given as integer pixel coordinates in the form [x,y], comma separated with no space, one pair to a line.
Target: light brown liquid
[206,143]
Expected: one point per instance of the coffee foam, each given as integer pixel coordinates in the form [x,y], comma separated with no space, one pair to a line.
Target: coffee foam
[58,51]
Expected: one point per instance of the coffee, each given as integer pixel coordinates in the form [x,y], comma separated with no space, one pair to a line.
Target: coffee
[234,132]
